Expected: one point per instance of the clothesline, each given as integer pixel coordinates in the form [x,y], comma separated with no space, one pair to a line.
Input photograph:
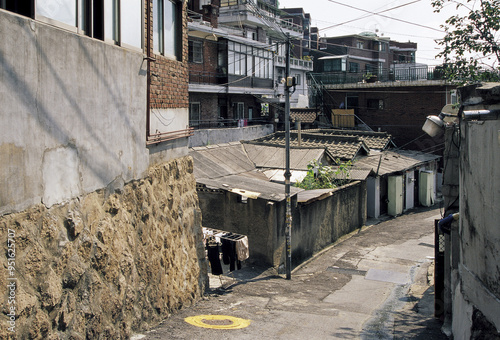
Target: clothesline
[222,234]
[234,249]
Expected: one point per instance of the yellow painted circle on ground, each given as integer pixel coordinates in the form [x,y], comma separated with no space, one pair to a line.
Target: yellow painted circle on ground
[217,321]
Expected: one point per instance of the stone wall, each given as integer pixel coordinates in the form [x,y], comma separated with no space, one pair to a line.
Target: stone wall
[106,264]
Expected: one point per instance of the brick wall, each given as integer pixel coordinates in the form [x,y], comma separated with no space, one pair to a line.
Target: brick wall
[404,112]
[169,78]
[208,105]
[209,57]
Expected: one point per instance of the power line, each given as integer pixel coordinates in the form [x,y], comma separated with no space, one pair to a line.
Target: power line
[386,16]
[370,13]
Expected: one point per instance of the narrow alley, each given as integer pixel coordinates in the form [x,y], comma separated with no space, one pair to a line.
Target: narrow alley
[376,283]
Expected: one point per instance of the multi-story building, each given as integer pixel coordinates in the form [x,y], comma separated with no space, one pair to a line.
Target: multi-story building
[237,62]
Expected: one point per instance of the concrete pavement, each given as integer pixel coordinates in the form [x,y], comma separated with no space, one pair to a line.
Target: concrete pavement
[376,283]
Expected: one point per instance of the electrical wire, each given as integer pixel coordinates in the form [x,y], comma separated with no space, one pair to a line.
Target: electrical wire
[370,14]
[386,16]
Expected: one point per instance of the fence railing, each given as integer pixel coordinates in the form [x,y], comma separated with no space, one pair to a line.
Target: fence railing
[394,74]
[202,77]
[226,123]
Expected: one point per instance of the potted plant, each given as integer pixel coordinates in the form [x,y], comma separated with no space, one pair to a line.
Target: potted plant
[369,77]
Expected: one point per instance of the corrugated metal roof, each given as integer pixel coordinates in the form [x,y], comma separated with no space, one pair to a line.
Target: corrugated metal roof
[372,139]
[343,147]
[220,160]
[394,161]
[258,188]
[273,156]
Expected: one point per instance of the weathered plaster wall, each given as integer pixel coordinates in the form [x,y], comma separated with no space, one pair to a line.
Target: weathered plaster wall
[479,232]
[107,263]
[479,207]
[72,114]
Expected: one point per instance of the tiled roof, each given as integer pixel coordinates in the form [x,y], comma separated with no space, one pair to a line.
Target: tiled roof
[374,140]
[343,147]
[305,115]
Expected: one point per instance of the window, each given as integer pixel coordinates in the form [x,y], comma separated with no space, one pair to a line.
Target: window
[63,11]
[297,79]
[335,65]
[382,47]
[375,104]
[22,7]
[240,110]
[116,21]
[166,28]
[354,67]
[245,60]
[194,113]
[360,44]
[195,51]
[131,23]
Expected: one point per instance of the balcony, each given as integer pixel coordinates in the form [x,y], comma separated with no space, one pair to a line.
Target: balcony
[400,74]
[249,14]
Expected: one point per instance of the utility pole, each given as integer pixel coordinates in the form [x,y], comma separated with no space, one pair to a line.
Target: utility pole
[288,218]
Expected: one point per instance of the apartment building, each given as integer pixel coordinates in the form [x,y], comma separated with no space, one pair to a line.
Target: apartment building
[237,63]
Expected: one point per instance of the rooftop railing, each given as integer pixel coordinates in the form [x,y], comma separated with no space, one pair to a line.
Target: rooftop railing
[409,73]
[226,123]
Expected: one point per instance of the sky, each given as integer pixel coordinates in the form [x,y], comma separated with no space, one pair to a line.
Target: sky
[415,22]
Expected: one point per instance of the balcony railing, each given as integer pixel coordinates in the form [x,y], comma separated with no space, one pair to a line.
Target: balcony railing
[234,11]
[202,77]
[409,73]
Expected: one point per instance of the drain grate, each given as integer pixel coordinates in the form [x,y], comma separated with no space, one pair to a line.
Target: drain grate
[346,271]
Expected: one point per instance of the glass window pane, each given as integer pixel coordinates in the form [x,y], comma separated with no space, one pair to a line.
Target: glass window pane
[249,65]
[131,22]
[230,62]
[110,19]
[157,26]
[237,67]
[60,10]
[170,24]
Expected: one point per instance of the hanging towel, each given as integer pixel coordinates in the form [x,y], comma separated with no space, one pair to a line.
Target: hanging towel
[242,248]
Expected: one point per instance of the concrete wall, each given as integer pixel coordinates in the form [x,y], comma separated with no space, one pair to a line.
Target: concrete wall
[220,136]
[73,114]
[324,222]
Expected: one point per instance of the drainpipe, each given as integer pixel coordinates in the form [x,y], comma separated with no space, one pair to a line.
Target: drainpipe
[149,59]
